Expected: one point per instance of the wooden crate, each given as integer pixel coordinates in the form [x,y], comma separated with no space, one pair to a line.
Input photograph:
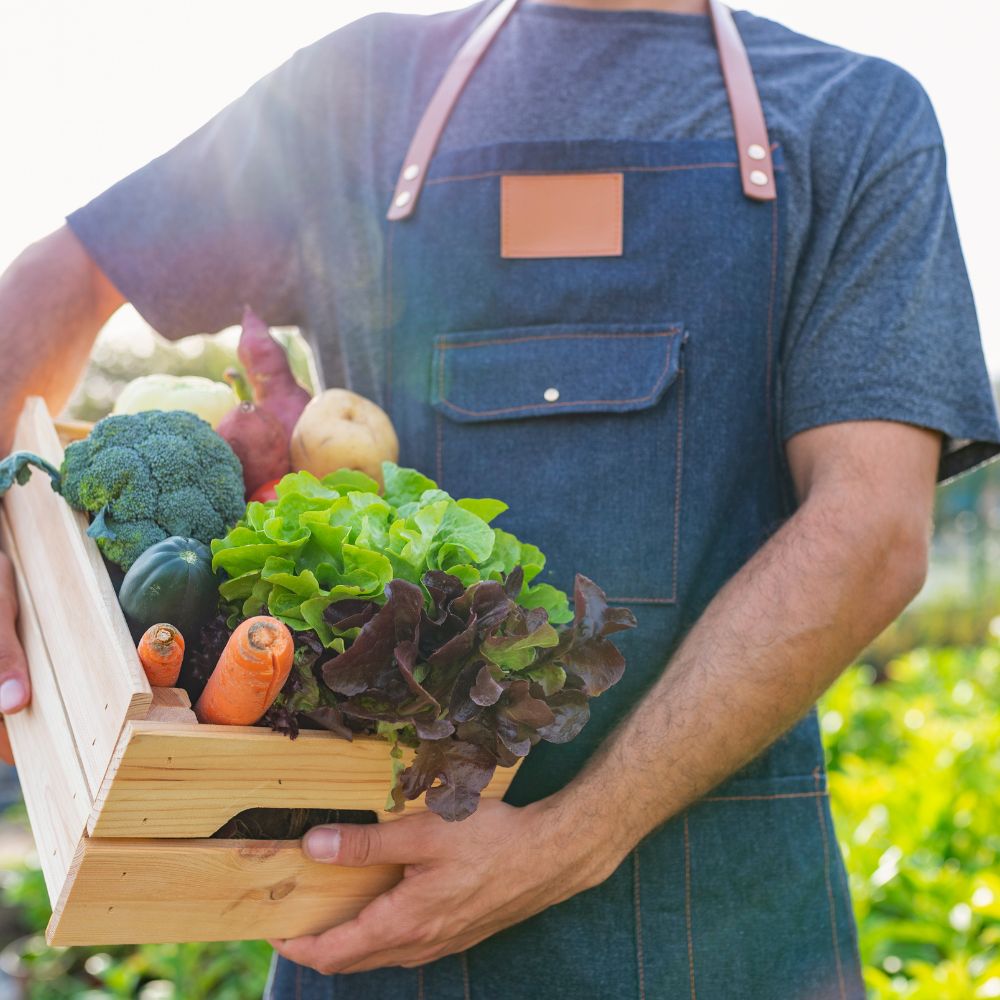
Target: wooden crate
[123,787]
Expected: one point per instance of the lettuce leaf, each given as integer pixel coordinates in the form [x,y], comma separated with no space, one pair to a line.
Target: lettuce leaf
[322,541]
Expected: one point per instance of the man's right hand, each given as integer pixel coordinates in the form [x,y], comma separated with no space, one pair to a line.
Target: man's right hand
[15,690]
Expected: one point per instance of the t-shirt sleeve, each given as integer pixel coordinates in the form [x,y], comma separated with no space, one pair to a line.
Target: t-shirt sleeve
[889,330]
[213,223]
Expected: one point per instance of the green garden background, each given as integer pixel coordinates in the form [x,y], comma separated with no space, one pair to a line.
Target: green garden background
[912,733]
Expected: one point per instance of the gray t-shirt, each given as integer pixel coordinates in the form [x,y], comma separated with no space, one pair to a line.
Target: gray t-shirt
[280,200]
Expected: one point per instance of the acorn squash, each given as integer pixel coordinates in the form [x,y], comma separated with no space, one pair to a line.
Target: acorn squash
[172,581]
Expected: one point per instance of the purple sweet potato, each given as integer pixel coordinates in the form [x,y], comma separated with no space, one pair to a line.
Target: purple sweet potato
[260,444]
[274,387]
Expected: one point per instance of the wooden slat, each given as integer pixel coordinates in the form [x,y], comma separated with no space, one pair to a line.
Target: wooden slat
[160,891]
[95,665]
[171,705]
[187,781]
[52,779]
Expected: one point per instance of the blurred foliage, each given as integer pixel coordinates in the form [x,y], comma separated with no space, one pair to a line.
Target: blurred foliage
[914,771]
[222,971]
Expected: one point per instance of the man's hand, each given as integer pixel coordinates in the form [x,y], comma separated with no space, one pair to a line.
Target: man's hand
[462,883]
[14,689]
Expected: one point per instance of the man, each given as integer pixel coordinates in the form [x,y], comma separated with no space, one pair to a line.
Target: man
[722,379]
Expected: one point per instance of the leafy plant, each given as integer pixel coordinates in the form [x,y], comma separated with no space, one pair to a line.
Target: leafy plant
[914,772]
[336,539]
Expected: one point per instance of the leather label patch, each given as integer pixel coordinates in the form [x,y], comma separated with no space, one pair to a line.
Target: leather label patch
[561,215]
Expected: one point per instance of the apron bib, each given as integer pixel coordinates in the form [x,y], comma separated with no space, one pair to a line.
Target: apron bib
[625,405]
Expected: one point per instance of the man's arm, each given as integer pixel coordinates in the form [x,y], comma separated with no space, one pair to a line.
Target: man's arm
[781,630]
[53,301]
[836,573]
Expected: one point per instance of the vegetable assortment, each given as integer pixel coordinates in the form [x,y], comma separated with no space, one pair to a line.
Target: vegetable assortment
[349,594]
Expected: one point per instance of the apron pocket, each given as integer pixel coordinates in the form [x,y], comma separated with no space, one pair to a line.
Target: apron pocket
[579,427]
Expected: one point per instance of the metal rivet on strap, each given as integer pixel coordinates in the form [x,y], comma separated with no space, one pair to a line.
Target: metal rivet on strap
[551,394]
[403,199]
[411,172]
[758,177]
[756,152]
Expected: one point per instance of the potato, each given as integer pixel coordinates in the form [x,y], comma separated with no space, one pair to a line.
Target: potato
[339,429]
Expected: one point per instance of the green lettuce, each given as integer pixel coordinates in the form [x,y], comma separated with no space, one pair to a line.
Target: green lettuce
[322,541]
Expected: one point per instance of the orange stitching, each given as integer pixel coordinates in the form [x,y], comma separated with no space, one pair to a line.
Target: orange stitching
[466,991]
[387,343]
[601,170]
[640,961]
[420,983]
[677,481]
[687,906]
[829,888]
[761,798]
[443,345]
[677,504]
[642,600]
[439,428]
[770,330]
[660,381]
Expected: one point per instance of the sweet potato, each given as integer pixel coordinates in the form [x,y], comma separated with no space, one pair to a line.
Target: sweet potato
[266,363]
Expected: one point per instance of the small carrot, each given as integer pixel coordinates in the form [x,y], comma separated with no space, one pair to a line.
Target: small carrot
[251,671]
[161,651]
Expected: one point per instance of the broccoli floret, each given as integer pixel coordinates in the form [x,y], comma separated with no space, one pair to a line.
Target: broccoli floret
[146,476]
[124,542]
[188,512]
[171,460]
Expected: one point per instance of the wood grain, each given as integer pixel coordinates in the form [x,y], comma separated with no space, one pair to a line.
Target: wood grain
[98,675]
[159,891]
[52,780]
[187,781]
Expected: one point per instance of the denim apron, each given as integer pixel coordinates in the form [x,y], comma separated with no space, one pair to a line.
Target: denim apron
[626,408]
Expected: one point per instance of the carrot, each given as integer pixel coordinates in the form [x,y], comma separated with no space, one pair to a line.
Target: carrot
[161,650]
[251,671]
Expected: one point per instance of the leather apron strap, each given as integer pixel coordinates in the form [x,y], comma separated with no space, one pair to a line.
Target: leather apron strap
[752,144]
[754,148]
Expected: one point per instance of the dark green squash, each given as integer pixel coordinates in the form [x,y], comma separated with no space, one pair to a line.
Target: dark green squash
[172,581]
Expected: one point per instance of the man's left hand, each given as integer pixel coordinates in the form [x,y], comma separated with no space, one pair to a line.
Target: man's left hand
[462,882]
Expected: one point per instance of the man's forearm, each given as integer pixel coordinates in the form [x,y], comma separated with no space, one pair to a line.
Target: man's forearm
[770,642]
[53,302]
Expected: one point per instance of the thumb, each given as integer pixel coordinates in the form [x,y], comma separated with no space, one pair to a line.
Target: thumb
[356,845]
[15,691]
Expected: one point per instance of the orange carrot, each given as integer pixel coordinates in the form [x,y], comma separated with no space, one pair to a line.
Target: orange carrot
[252,670]
[161,650]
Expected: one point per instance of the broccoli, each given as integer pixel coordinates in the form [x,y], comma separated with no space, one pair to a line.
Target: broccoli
[145,476]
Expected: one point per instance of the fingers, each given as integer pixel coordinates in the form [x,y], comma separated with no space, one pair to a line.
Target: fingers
[15,691]
[372,939]
[402,842]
